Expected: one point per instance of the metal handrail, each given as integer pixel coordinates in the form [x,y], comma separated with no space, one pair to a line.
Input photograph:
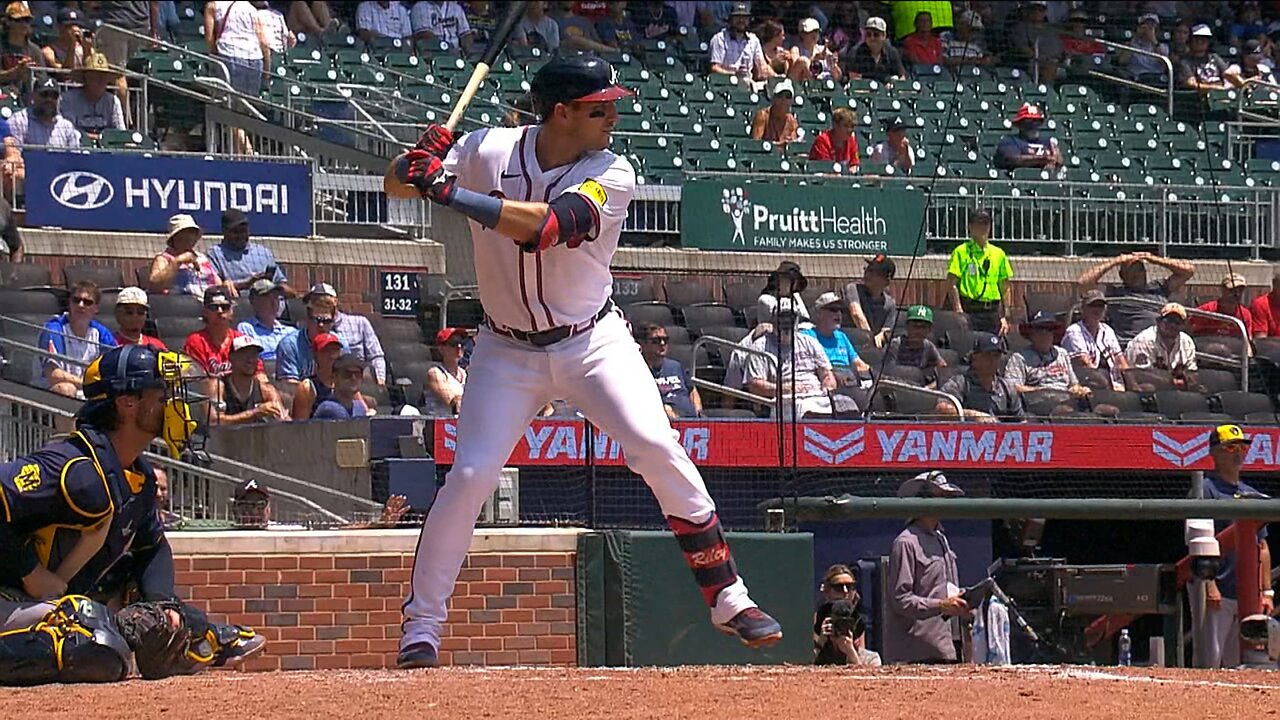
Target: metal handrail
[1246,346]
[226,74]
[1139,51]
[738,393]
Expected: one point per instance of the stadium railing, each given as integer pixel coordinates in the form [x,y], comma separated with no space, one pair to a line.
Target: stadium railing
[1240,332]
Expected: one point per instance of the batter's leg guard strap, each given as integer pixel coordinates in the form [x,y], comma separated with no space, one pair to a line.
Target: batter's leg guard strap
[707,552]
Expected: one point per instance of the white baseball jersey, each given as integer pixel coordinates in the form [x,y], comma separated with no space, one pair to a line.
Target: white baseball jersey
[446,20]
[559,286]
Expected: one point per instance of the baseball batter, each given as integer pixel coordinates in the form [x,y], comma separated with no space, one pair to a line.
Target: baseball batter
[546,205]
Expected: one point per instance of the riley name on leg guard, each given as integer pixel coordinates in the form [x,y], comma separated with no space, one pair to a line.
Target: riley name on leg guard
[707,553]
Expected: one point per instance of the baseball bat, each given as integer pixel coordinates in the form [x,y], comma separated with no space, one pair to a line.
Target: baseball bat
[392,182]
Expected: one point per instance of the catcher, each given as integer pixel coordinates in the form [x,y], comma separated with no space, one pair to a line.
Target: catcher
[81,511]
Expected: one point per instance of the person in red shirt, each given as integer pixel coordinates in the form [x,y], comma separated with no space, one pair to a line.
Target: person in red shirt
[210,348]
[1228,303]
[838,144]
[131,317]
[1074,40]
[1266,311]
[922,47]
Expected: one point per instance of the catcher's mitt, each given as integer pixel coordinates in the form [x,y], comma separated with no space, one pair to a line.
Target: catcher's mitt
[168,637]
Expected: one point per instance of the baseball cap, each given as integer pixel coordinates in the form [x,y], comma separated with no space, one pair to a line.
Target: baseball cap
[262,287]
[784,86]
[920,313]
[1028,112]
[1092,297]
[348,362]
[1234,280]
[882,265]
[231,217]
[1078,14]
[46,85]
[70,16]
[132,296]
[825,299]
[1228,435]
[980,215]
[986,342]
[929,484]
[1252,47]
[740,8]
[1173,309]
[249,487]
[1149,18]
[17,11]
[1042,318]
[321,289]
[217,296]
[324,340]
[894,123]
[875,23]
[809,25]
[1202,31]
[245,341]
[444,335]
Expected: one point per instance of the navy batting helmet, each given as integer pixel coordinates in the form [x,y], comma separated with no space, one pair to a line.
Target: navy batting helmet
[580,78]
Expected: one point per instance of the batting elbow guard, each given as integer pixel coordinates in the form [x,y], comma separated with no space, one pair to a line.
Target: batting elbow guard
[571,220]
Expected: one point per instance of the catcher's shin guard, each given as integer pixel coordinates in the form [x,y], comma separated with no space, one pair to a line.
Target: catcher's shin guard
[707,553]
[77,642]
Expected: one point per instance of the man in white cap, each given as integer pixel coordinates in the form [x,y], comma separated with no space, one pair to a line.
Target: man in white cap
[845,362]
[131,318]
[1229,302]
[875,58]
[243,396]
[1145,68]
[736,51]
[1201,69]
[812,59]
[925,606]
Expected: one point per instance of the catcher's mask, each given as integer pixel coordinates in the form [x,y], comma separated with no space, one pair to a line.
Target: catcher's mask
[131,369]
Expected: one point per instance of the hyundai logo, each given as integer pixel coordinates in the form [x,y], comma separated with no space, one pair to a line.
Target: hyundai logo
[80,190]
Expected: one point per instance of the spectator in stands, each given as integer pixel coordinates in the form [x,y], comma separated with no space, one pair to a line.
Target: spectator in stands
[802,370]
[380,18]
[984,395]
[90,108]
[616,29]
[915,349]
[1266,310]
[785,282]
[265,326]
[311,18]
[848,646]
[446,379]
[244,396]
[182,269]
[1026,148]
[234,33]
[811,60]
[483,21]
[1093,343]
[1145,68]
[875,58]
[17,53]
[691,15]
[441,21]
[280,39]
[922,47]
[1037,45]
[167,21]
[980,274]
[77,338]
[1164,346]
[1248,24]
[964,47]
[870,305]
[345,401]
[578,31]
[845,363]
[210,347]
[251,505]
[1227,303]
[679,396]
[1077,44]
[735,51]
[355,331]
[1044,365]
[773,38]
[1130,318]
[538,29]
[895,149]
[168,518]
[294,358]
[655,18]
[776,123]
[241,262]
[10,238]
[1203,70]
[72,45]
[136,16]
[838,144]
[131,311]
[1253,68]
[845,28]
[40,123]
[318,386]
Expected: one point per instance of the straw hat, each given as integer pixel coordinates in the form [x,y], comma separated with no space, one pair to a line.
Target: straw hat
[95,63]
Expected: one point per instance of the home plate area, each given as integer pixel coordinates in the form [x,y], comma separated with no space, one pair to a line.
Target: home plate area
[737,693]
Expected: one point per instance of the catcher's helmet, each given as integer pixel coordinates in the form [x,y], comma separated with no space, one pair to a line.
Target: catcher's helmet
[579,78]
[131,369]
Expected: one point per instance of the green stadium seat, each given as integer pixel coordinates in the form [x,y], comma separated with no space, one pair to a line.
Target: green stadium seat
[701,144]
[771,163]
[668,145]
[1262,166]
[733,130]
[683,126]
[115,138]
[367,75]
[319,75]
[635,123]
[717,113]
[863,86]
[720,162]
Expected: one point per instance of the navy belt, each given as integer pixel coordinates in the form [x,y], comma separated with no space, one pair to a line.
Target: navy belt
[552,336]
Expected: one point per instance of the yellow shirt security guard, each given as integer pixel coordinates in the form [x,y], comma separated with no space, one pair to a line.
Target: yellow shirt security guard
[979,273]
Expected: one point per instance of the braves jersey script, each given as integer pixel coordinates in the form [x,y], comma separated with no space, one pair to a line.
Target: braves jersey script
[561,285]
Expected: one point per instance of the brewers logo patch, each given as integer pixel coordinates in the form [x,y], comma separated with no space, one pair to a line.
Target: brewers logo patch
[28,478]
[595,191]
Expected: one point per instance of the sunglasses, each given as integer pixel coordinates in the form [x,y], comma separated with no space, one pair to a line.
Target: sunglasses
[1235,448]
[218,307]
[352,374]
[842,587]
[454,343]
[322,320]
[1172,320]
[658,341]
[84,301]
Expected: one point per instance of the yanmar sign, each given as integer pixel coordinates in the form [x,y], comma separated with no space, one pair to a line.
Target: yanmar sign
[894,446]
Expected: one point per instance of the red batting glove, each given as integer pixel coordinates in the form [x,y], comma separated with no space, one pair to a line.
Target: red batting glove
[436,139]
[426,172]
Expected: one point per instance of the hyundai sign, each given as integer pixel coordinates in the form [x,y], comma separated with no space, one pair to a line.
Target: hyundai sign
[134,192]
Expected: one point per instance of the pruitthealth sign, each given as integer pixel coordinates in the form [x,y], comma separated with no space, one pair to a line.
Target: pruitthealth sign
[765,217]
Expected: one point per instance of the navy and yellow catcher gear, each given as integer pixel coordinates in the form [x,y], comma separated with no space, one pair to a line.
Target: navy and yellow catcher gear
[133,369]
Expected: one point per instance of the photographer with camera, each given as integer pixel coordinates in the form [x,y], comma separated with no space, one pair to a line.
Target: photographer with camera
[838,626]
[17,53]
[924,622]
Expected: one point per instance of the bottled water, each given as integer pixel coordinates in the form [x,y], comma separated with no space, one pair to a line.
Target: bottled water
[1126,648]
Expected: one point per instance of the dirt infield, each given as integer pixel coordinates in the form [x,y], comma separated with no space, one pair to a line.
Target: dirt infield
[730,693]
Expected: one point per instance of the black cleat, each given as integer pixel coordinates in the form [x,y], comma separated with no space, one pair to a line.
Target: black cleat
[754,627]
[418,655]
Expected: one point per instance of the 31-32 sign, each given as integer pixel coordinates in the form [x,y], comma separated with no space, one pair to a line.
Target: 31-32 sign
[399,293]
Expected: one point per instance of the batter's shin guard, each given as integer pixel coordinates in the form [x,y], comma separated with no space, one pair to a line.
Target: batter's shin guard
[707,553]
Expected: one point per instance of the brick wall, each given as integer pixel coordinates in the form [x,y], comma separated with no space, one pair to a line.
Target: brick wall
[326,611]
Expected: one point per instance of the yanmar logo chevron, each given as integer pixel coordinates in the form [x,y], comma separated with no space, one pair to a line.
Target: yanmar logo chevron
[1180,454]
[833,451]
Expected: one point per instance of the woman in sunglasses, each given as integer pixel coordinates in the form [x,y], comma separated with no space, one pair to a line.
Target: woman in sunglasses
[442,395]
[838,627]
